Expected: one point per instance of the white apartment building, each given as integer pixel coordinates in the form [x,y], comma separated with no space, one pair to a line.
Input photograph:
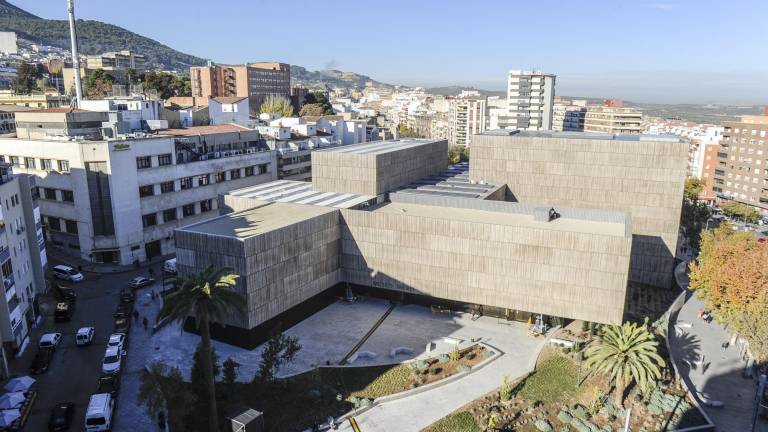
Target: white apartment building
[468,117]
[613,120]
[118,199]
[228,110]
[530,99]
[22,258]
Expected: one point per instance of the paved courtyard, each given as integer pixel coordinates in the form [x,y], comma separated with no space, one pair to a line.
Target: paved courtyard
[328,336]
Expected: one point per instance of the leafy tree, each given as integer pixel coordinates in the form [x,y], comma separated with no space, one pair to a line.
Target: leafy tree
[277,105]
[693,219]
[42,84]
[166,85]
[229,373]
[208,296]
[280,349]
[732,277]
[405,132]
[26,78]
[321,99]
[98,84]
[740,211]
[693,188]
[311,110]
[626,353]
[458,154]
[162,388]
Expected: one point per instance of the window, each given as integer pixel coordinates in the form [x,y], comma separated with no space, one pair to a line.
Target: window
[248,171]
[206,206]
[221,177]
[204,180]
[263,168]
[234,174]
[166,187]
[71,226]
[143,162]
[46,164]
[188,210]
[149,220]
[164,159]
[14,160]
[54,224]
[169,215]
[186,183]
[29,162]
[147,190]
[49,194]
[67,195]
[64,166]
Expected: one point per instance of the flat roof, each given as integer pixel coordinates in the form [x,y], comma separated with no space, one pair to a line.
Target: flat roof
[454,181]
[380,147]
[616,229]
[258,220]
[204,130]
[299,192]
[583,135]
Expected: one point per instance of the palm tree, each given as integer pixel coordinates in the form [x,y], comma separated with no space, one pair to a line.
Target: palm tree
[208,296]
[625,354]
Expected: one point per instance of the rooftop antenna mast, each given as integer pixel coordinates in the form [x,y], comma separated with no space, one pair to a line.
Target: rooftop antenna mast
[75,55]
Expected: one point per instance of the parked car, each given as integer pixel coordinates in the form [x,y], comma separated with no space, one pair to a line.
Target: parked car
[123,310]
[127,296]
[113,359]
[65,293]
[140,282]
[49,340]
[122,325]
[42,361]
[85,336]
[61,417]
[68,273]
[116,340]
[64,311]
[170,266]
[98,416]
[109,384]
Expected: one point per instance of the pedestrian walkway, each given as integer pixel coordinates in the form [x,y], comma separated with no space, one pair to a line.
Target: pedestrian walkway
[416,412]
[58,256]
[713,369]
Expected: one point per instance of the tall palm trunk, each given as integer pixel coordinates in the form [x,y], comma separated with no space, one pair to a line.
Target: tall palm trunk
[205,332]
[620,388]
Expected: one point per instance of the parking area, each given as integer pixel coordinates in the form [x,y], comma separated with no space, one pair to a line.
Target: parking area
[74,371]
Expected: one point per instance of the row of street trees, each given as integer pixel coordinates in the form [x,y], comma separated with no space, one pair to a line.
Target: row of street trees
[731,275]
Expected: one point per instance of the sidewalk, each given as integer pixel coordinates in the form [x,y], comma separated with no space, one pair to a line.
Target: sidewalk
[713,371]
[55,254]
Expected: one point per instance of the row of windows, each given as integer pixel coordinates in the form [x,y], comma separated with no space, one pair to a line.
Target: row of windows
[53,195]
[747,131]
[55,224]
[204,179]
[143,162]
[170,215]
[35,163]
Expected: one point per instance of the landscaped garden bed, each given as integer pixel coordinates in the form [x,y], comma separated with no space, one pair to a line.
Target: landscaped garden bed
[301,401]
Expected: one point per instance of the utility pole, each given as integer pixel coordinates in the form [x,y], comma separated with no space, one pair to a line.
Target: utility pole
[75,55]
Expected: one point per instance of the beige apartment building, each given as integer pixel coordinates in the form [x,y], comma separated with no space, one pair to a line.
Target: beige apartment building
[255,81]
[741,172]
[613,120]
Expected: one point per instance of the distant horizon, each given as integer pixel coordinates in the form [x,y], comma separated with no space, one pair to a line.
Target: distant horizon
[681,52]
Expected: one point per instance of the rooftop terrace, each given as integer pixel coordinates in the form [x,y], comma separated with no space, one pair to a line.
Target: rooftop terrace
[299,192]
[454,181]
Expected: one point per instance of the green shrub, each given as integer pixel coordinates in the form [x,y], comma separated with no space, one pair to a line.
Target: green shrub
[584,326]
[435,371]
[455,354]
[420,365]
[543,426]
[488,354]
[565,417]
[443,358]
[463,368]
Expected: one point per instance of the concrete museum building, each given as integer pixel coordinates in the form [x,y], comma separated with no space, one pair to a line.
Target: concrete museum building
[551,223]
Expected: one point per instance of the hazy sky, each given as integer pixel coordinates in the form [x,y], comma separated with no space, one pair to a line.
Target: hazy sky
[686,51]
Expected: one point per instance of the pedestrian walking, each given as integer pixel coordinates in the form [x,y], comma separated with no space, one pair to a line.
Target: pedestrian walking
[135,316]
[145,322]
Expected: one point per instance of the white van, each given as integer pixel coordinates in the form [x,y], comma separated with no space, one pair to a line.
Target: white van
[170,266]
[67,273]
[98,417]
